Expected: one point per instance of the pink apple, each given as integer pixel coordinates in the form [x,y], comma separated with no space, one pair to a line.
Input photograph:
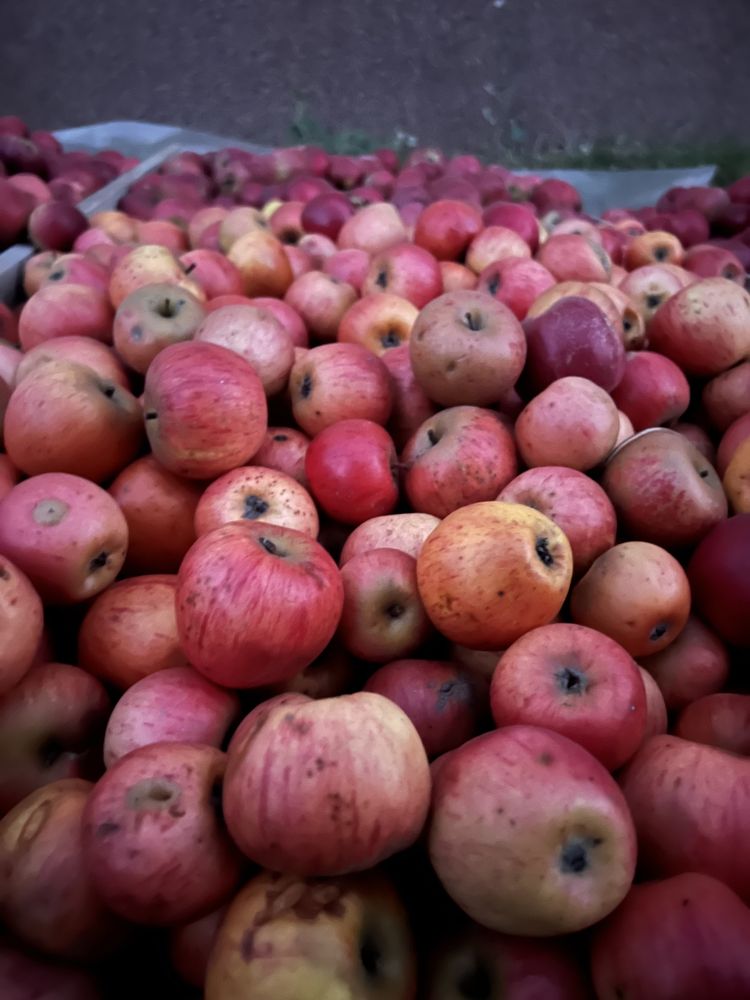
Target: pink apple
[411,405]
[446,228]
[406,532]
[575,258]
[381,322]
[22,622]
[80,350]
[405,270]
[284,448]
[257,336]
[214,273]
[350,266]
[255,493]
[372,229]
[64,311]
[517,282]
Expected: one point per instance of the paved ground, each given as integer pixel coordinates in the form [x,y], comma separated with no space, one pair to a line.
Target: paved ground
[474,75]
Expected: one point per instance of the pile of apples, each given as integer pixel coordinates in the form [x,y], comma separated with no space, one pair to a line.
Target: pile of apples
[374,598]
[41,184]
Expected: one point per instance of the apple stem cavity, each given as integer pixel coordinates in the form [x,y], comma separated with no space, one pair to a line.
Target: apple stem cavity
[571,681]
[370,956]
[99,562]
[255,506]
[574,859]
[390,339]
[473,321]
[657,632]
[271,547]
[542,550]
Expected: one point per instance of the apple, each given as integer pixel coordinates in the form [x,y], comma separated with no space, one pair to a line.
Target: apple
[239,222]
[285,606]
[64,311]
[151,318]
[689,805]
[321,301]
[47,898]
[25,975]
[655,247]
[517,282]
[330,674]
[159,508]
[335,382]
[175,705]
[373,228]
[704,328]
[682,936]
[257,336]
[284,938]
[289,318]
[737,432]
[254,493]
[411,405]
[203,219]
[148,264]
[76,269]
[130,631]
[718,579]
[319,755]
[573,337]
[519,217]
[326,213]
[737,479]
[456,277]
[571,257]
[637,594]
[577,504]
[17,206]
[439,697]
[65,533]
[447,227]
[284,449]
[81,350]
[21,624]
[709,261]
[630,324]
[317,247]
[51,727]
[213,271]
[652,390]
[656,709]
[650,286]
[491,571]
[462,455]
[299,260]
[573,422]
[405,270]
[696,664]
[406,532]
[467,348]
[383,617]
[191,944]
[663,489]
[350,266]
[727,396]
[577,682]
[262,263]
[205,409]
[63,417]
[552,193]
[380,322]
[117,225]
[9,476]
[494,244]
[699,438]
[156,848]
[351,469]
[479,962]
[593,291]
[541,864]
[286,222]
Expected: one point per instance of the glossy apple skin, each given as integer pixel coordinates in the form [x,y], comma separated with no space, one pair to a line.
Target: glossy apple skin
[326,214]
[319,754]
[51,727]
[684,936]
[159,508]
[652,391]
[316,941]
[381,322]
[663,489]
[21,624]
[467,348]
[406,532]
[517,282]
[406,270]
[446,228]
[265,634]
[636,593]
[155,845]
[505,966]
[64,311]
[438,696]
[573,422]
[130,631]
[689,803]
[573,501]
[63,417]
[411,404]
[47,898]
[540,865]
[704,328]
[254,493]
[719,580]
[175,705]
[65,533]
[573,337]
[82,350]
[696,664]
[491,571]
[383,617]
[350,468]
[24,975]
[577,682]
[336,382]
[205,409]
[462,455]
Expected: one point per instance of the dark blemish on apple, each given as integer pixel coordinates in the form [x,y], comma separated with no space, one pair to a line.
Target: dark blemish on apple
[254,507]
[545,758]
[306,386]
[301,726]
[571,681]
[542,550]
[190,268]
[390,339]
[281,437]
[500,810]
[676,784]
[247,942]
[136,333]
[494,284]
[109,391]
[319,763]
[432,436]
[661,253]
[685,902]
[703,473]
[501,593]
[395,611]
[107,828]
[451,366]
[653,301]
[270,546]
[382,279]
[370,956]
[319,899]
[657,632]
[4,574]
[475,983]
[151,415]
[98,562]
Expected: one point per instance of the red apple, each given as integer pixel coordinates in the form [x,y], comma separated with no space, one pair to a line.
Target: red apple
[543,864]
[381,322]
[350,266]
[264,634]
[284,449]
[326,214]
[321,301]
[446,228]
[372,229]
[696,664]
[411,405]
[461,455]
[81,350]
[17,206]
[257,336]
[255,493]
[76,269]
[570,257]
[521,218]
[148,265]
[456,276]
[21,623]
[64,311]
[517,282]
[709,261]
[652,391]
[213,271]
[719,580]
[494,244]
[727,396]
[573,501]
[66,534]
[405,270]
[263,266]
[406,532]
[319,755]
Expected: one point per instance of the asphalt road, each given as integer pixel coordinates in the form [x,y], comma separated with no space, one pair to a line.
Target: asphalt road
[478,75]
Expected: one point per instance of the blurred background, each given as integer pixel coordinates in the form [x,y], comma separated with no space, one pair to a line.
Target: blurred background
[527,82]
